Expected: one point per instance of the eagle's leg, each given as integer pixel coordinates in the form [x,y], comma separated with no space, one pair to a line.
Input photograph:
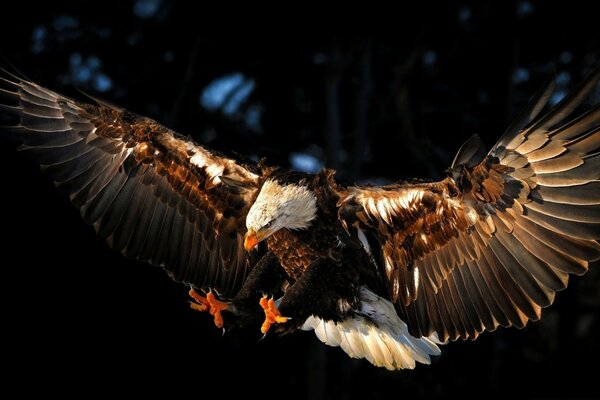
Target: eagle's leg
[210,304]
[266,278]
[272,314]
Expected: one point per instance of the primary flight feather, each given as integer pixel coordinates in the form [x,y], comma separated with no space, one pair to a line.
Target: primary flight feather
[386,272]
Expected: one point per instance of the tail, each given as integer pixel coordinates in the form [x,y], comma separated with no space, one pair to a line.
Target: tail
[375,332]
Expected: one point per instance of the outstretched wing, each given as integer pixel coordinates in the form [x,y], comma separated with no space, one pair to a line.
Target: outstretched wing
[492,243]
[155,195]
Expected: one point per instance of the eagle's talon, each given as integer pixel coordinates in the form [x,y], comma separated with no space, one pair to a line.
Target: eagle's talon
[210,304]
[201,302]
[272,314]
[198,307]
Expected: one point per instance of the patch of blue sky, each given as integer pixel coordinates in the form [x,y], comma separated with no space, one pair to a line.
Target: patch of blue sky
[146,9]
[304,162]
[216,92]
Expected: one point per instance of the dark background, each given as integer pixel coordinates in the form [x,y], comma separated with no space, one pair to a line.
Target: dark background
[379,96]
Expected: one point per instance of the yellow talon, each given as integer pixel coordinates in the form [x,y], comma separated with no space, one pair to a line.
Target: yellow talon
[272,314]
[210,304]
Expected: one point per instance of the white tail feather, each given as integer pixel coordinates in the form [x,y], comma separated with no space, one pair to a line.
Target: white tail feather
[375,332]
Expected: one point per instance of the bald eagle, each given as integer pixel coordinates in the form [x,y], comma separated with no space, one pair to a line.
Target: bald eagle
[388,273]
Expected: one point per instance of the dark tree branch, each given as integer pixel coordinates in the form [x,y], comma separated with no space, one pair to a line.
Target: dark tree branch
[363,95]
[184,88]
[333,131]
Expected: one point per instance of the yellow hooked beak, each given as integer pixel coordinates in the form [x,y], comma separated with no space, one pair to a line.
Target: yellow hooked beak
[252,238]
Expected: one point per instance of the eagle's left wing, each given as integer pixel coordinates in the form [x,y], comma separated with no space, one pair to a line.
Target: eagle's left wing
[154,194]
[492,243]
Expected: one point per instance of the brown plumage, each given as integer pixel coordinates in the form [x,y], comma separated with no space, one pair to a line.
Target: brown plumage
[487,246]
[153,194]
[298,250]
[492,243]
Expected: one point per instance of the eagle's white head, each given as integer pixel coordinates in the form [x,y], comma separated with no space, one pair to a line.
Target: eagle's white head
[279,206]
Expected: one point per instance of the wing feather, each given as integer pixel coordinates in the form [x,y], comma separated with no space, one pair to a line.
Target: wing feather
[139,235]
[499,237]
[471,290]
[153,194]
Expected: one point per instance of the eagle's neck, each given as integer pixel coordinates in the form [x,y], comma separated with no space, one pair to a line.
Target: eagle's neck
[298,249]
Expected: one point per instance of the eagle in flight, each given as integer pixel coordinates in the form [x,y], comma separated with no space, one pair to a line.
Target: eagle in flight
[388,272]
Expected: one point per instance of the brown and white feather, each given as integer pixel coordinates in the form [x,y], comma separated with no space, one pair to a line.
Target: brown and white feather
[155,195]
[492,243]
[488,246]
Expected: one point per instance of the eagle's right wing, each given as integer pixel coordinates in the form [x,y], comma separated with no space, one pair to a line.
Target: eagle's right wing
[155,195]
[492,243]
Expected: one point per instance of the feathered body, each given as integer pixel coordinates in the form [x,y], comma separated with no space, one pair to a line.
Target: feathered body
[385,272]
[298,249]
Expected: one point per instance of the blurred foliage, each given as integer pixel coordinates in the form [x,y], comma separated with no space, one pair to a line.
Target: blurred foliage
[304,88]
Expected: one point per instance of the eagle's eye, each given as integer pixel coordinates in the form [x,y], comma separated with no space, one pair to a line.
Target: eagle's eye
[268,224]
